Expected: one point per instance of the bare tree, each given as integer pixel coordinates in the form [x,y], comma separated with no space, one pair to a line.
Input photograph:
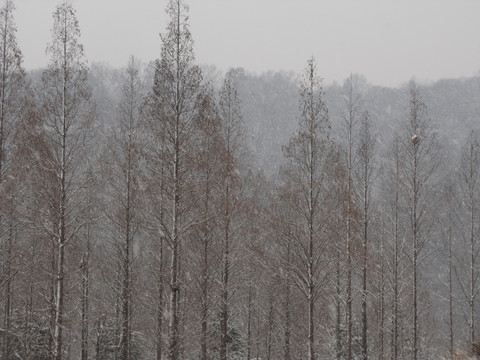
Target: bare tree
[448,229]
[176,87]
[470,195]
[420,163]
[210,172]
[353,89]
[12,82]
[123,174]
[305,175]
[233,140]
[366,159]
[156,161]
[88,246]
[12,86]
[67,112]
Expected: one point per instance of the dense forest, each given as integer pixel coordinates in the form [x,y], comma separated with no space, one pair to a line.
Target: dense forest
[167,210]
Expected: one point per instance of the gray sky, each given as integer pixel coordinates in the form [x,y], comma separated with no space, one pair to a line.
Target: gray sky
[388,41]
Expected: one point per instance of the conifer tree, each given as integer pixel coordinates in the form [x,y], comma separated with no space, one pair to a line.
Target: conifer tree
[176,89]
[417,171]
[232,137]
[67,112]
[12,89]
[123,174]
[308,154]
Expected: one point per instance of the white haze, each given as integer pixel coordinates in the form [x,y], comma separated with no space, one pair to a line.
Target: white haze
[388,41]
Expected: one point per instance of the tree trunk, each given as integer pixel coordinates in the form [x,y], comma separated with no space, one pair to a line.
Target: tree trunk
[270,324]
[382,302]
[159,342]
[225,280]
[288,320]
[59,302]
[472,276]
[205,307]
[338,306]
[415,253]
[396,253]
[175,243]
[85,270]
[8,291]
[450,292]
[365,263]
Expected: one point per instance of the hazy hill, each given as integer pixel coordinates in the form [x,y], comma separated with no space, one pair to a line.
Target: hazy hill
[270,108]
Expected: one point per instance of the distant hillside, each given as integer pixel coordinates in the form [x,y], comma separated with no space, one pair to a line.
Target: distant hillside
[271,110]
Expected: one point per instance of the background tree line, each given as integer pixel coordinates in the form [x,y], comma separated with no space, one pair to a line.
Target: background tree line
[169,211]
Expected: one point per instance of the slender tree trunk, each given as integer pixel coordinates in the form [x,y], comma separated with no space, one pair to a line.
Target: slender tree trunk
[205,307]
[269,336]
[311,287]
[349,314]
[160,300]
[61,242]
[183,296]
[125,336]
[8,290]
[472,274]
[159,340]
[396,253]
[415,251]
[257,342]
[59,303]
[98,343]
[288,320]
[450,290]
[349,317]
[175,241]
[126,265]
[174,288]
[338,306]
[365,262]
[311,324]
[382,301]
[118,311]
[311,281]
[249,323]
[53,264]
[85,270]
[225,279]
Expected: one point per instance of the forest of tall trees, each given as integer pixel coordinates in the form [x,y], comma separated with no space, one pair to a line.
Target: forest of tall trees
[169,211]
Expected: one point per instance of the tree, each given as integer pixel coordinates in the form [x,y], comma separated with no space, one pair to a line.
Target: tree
[420,163]
[209,170]
[366,148]
[12,86]
[282,229]
[12,82]
[232,137]
[353,104]
[123,174]
[306,177]
[448,229]
[86,248]
[396,244]
[470,194]
[176,87]
[67,113]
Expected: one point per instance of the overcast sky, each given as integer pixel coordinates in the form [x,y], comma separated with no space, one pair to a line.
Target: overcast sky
[388,41]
